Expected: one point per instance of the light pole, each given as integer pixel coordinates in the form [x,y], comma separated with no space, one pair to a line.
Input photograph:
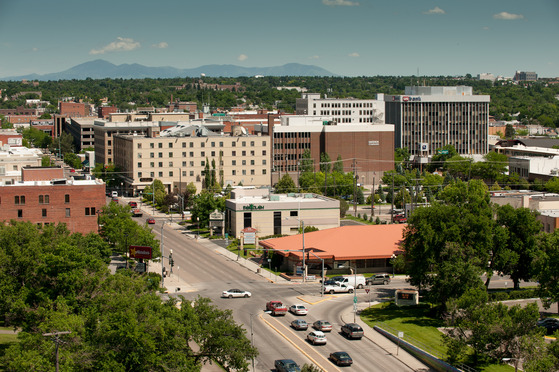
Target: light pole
[393,257]
[252,339]
[162,255]
[304,267]
[355,293]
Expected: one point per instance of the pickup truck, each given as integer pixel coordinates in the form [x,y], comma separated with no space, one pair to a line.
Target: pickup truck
[338,288]
[276,308]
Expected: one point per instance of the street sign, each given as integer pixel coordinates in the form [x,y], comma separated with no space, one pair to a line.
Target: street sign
[354,300]
[367,290]
[443,152]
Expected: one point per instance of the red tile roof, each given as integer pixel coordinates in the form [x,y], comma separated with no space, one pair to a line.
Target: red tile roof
[343,243]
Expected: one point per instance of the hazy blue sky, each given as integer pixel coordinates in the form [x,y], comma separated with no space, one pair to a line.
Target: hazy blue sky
[346,37]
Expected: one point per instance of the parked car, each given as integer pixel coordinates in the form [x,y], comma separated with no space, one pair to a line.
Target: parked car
[379,279]
[550,324]
[399,219]
[114,194]
[352,330]
[230,293]
[286,365]
[341,358]
[300,324]
[298,309]
[322,325]
[338,288]
[317,338]
[133,204]
[151,220]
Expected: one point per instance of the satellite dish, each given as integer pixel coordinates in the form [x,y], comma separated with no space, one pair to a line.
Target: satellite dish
[202,75]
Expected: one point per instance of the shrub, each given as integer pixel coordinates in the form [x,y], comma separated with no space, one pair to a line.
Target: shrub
[365,216]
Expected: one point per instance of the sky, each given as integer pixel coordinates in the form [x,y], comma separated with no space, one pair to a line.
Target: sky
[345,37]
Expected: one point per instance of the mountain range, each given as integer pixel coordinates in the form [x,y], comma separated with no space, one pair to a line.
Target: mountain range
[100,69]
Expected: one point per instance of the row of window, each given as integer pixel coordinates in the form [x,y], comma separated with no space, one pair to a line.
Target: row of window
[43,199]
[89,211]
[202,154]
[292,135]
[344,104]
[191,173]
[202,163]
[202,144]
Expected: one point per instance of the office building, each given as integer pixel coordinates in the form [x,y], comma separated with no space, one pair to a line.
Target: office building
[342,110]
[525,76]
[428,118]
[278,214]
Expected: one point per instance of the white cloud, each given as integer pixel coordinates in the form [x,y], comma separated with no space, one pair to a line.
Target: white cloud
[354,54]
[242,57]
[122,44]
[161,45]
[340,3]
[507,16]
[35,49]
[435,10]
[314,57]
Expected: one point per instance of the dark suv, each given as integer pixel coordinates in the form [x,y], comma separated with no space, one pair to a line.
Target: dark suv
[379,279]
[352,330]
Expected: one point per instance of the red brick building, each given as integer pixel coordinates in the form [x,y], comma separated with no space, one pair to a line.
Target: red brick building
[104,112]
[54,201]
[71,109]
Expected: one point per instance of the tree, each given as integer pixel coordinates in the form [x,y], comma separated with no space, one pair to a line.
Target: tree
[338,165]
[515,244]
[493,330]
[509,131]
[546,268]
[46,161]
[307,162]
[325,163]
[441,156]
[204,204]
[285,185]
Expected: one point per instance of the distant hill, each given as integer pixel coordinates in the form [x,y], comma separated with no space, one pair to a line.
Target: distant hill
[100,69]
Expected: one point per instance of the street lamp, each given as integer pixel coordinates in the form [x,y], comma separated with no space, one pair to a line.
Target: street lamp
[393,257]
[162,262]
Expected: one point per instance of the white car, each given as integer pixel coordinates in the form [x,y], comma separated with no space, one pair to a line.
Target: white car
[298,309]
[230,293]
[317,338]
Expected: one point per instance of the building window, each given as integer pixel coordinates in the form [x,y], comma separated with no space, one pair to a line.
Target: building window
[252,162]
[139,165]
[263,161]
[170,154]
[203,163]
[244,162]
[221,144]
[160,174]
[252,153]
[264,152]
[160,154]
[183,144]
[244,172]
[233,144]
[151,155]
[184,173]
[152,164]
[139,145]
[213,153]
[152,174]
[19,199]
[252,143]
[44,212]
[151,145]
[234,172]
[202,144]
[20,213]
[44,199]
[184,154]
[244,153]
[67,198]
[160,145]
[252,172]
[139,174]
[203,153]
[263,143]
[160,164]
[90,211]
[234,153]
[234,162]
[191,163]
[170,173]
[67,212]
[191,144]
[170,145]
[213,144]
[243,143]
[184,164]
[191,154]
[293,213]
[247,218]
[191,173]
[263,171]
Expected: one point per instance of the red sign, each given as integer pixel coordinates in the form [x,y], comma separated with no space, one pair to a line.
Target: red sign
[137,251]
[367,290]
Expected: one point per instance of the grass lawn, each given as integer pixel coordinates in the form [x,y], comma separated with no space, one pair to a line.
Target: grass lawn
[5,341]
[419,328]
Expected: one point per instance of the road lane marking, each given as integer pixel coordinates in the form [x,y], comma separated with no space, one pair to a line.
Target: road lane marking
[293,343]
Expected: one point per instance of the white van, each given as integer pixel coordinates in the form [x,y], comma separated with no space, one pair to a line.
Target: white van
[114,194]
[356,281]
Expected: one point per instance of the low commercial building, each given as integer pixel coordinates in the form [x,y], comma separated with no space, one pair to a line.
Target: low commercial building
[279,214]
[343,250]
[14,159]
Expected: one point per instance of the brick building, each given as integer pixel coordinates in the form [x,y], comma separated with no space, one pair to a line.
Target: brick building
[104,112]
[71,109]
[52,201]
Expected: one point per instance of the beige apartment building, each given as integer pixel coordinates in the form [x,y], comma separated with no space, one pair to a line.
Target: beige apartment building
[180,158]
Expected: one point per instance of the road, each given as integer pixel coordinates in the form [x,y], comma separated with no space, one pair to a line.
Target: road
[209,273]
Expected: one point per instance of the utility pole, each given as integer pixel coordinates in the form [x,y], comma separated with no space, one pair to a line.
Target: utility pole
[354,190]
[373,198]
[392,210]
[57,342]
